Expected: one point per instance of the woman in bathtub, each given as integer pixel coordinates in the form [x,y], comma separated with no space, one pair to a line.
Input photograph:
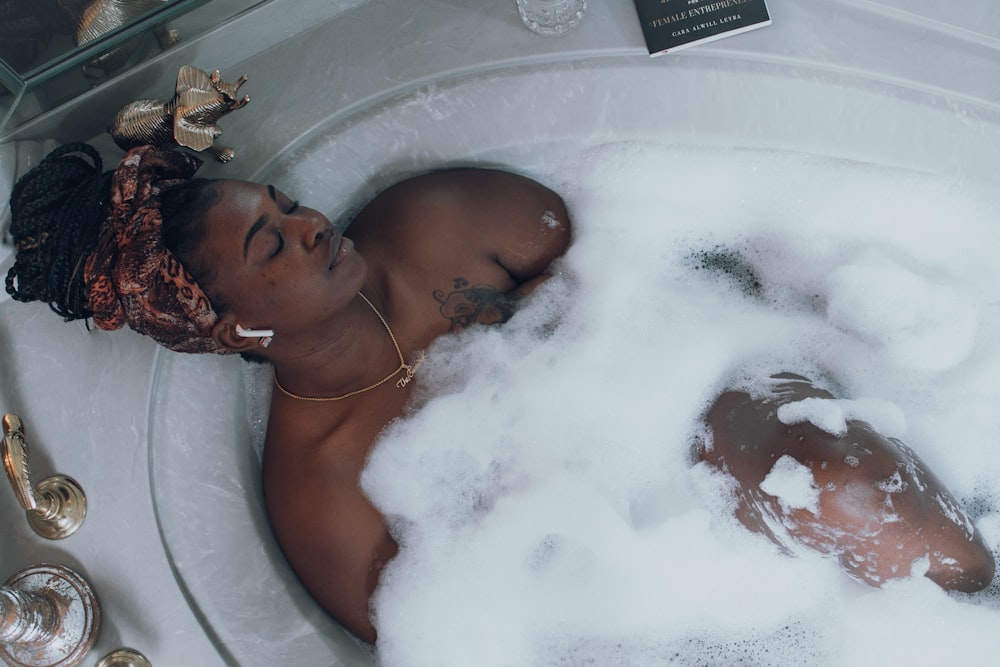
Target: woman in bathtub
[236,267]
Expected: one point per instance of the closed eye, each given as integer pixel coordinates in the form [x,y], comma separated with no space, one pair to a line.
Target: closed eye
[279,246]
[294,207]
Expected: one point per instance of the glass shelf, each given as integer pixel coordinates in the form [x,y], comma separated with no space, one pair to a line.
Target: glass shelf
[42,67]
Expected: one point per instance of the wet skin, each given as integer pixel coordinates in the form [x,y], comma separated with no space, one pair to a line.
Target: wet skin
[881,511]
[433,254]
[447,250]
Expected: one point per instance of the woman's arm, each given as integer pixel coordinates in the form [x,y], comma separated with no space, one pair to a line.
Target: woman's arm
[459,216]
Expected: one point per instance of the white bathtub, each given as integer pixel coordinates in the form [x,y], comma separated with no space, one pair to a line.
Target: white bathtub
[406,86]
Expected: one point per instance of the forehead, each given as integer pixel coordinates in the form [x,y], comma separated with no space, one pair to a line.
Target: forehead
[238,197]
[237,205]
[219,255]
[224,226]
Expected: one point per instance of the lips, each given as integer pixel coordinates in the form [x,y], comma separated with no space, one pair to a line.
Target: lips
[341,250]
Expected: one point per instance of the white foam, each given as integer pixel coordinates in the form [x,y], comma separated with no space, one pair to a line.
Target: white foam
[793,484]
[832,414]
[912,320]
[544,497]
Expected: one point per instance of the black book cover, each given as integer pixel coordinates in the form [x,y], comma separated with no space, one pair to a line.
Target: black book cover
[669,25]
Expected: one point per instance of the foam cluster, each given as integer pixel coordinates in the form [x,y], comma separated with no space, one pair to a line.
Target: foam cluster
[544,493]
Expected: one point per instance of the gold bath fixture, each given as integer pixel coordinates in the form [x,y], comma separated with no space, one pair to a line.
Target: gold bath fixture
[49,616]
[57,506]
[124,657]
[189,119]
[100,17]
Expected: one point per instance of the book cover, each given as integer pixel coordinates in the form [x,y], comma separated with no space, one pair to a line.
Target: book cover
[669,25]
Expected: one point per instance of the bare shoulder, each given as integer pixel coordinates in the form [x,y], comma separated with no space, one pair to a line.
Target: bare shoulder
[438,197]
[513,219]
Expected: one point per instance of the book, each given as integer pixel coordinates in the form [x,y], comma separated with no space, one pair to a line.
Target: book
[669,25]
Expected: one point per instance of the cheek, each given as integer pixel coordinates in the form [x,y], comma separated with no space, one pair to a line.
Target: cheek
[272,295]
[246,295]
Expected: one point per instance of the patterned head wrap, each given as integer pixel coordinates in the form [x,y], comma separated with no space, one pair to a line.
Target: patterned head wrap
[131,277]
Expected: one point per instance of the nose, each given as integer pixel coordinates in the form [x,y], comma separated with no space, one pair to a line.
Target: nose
[315,228]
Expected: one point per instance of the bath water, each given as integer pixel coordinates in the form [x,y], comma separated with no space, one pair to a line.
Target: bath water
[542,488]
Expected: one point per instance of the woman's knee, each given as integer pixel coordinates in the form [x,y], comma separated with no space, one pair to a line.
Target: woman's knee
[864,498]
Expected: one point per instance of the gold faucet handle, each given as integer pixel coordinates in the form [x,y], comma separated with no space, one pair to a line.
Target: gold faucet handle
[57,506]
[15,462]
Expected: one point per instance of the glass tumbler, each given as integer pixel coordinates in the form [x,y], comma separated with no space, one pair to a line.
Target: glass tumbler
[551,17]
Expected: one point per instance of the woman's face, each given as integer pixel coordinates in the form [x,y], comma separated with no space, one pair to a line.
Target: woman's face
[277,265]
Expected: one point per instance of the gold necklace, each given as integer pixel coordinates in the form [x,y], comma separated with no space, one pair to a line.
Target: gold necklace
[411,371]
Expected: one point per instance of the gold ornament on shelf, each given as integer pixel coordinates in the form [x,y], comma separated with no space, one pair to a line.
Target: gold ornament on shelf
[188,120]
[100,17]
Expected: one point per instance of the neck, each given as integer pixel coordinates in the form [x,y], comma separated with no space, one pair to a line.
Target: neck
[359,353]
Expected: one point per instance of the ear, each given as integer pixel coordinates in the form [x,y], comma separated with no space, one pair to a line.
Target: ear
[224,333]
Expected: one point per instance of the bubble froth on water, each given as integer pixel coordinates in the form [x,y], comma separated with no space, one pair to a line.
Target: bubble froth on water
[544,494]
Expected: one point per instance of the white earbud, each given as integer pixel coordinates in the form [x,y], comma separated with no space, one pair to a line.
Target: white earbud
[253,333]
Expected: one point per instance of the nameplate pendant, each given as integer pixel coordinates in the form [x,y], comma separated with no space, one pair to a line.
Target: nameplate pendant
[411,371]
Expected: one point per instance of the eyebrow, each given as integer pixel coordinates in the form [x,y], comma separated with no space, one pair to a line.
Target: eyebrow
[258,225]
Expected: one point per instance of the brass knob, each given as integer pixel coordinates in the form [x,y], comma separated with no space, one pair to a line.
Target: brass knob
[57,506]
[124,657]
[49,616]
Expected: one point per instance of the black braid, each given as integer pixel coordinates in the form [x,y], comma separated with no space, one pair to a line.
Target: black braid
[57,209]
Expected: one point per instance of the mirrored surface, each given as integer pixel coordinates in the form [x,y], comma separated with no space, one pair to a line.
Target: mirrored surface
[52,51]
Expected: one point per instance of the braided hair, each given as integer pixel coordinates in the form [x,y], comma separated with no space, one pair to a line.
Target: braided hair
[57,210]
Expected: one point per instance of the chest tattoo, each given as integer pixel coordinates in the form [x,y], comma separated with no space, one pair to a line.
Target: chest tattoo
[467,304]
